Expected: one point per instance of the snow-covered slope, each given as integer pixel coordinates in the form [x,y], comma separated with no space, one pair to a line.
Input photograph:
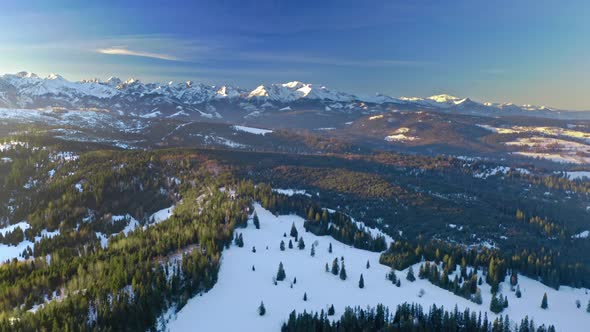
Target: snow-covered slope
[240,290]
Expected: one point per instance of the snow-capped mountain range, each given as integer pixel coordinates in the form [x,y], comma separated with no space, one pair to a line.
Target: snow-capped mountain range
[26,90]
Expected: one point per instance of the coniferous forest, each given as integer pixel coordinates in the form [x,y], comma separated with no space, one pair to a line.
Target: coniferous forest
[69,278]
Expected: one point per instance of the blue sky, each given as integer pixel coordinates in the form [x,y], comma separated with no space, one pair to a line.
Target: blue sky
[522,51]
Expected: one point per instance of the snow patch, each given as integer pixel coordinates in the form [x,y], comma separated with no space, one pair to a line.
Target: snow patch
[240,290]
[252,130]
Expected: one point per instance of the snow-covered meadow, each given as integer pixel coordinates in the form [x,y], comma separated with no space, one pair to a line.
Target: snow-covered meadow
[8,252]
[232,303]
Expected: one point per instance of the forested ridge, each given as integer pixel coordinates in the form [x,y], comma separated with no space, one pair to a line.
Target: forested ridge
[407,317]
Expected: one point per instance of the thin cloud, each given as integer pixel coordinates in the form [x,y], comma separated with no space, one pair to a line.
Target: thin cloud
[314,60]
[124,51]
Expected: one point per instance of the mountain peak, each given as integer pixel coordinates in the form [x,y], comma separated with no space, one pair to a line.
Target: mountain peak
[294,85]
[260,91]
[53,76]
[444,98]
[26,74]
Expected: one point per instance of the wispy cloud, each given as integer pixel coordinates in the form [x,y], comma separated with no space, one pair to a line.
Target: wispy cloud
[125,51]
[315,60]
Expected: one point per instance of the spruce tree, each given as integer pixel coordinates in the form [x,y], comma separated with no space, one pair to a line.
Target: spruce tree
[544,303]
[256,221]
[312,250]
[290,244]
[304,296]
[518,293]
[361,282]
[301,244]
[514,278]
[331,310]
[282,245]
[253,268]
[330,248]
[327,268]
[588,306]
[391,276]
[505,302]
[476,298]
[342,273]
[335,267]
[295,280]
[239,240]
[410,276]
[254,249]
[496,305]
[261,309]
[281,275]
[422,272]
[398,283]
[368,265]
[293,230]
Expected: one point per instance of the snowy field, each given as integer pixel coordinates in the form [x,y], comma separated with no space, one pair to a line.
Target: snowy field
[252,130]
[554,149]
[400,135]
[232,303]
[8,252]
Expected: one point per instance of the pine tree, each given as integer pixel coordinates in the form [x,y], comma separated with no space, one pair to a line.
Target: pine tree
[342,273]
[330,248]
[293,231]
[410,276]
[331,310]
[368,265]
[361,282]
[282,245]
[304,296]
[312,250]
[544,303]
[335,267]
[281,275]
[261,309]
[518,293]
[256,221]
[301,244]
